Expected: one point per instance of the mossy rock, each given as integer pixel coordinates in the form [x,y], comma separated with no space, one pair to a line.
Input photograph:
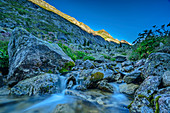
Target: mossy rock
[96,77]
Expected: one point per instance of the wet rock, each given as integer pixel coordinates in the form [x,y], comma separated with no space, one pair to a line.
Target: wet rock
[4,91]
[42,84]
[133,77]
[120,58]
[88,64]
[105,86]
[149,86]
[71,81]
[30,56]
[166,78]
[80,87]
[156,64]
[128,88]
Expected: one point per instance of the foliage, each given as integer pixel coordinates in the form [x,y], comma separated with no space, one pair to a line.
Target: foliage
[74,55]
[113,59]
[106,56]
[89,58]
[67,66]
[4,58]
[80,54]
[149,42]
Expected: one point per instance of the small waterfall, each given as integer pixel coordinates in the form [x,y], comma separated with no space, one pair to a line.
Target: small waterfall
[119,98]
[63,82]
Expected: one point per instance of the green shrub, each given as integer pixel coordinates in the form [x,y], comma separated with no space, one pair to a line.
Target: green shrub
[106,56]
[4,58]
[68,51]
[113,59]
[67,66]
[80,54]
[89,58]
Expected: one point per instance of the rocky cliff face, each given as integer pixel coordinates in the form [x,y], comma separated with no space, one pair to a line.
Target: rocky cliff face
[51,21]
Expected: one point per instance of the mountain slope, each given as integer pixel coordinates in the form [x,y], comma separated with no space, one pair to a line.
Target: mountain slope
[86,28]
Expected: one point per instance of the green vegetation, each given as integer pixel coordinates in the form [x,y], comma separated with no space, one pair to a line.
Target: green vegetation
[89,58]
[130,105]
[149,42]
[157,104]
[96,76]
[113,59]
[67,66]
[74,55]
[106,56]
[4,58]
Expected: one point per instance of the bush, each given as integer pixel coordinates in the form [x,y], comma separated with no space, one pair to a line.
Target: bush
[80,54]
[88,58]
[68,51]
[4,58]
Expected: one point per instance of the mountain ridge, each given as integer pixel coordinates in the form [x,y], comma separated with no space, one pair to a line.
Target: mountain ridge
[104,34]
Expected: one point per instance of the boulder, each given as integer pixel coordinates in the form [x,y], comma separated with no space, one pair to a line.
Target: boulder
[120,58]
[38,85]
[140,105]
[162,100]
[30,56]
[140,63]
[88,64]
[166,78]
[149,86]
[128,68]
[133,77]
[126,63]
[105,86]
[156,64]
[128,88]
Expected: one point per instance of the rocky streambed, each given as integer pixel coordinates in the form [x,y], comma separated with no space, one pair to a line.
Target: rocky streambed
[43,79]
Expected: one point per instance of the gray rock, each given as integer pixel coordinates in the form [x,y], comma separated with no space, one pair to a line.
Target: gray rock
[166,78]
[133,77]
[71,81]
[146,109]
[88,64]
[4,91]
[140,104]
[126,63]
[140,63]
[163,97]
[42,84]
[99,58]
[30,56]
[80,87]
[156,64]
[149,86]
[105,86]
[120,58]
[128,68]
[128,88]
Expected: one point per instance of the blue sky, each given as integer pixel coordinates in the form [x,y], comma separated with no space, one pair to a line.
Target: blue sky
[123,19]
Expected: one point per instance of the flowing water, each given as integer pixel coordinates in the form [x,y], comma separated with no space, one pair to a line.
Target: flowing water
[91,101]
